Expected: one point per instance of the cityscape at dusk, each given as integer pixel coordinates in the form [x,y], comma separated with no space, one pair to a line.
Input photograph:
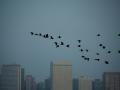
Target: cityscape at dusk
[60,44]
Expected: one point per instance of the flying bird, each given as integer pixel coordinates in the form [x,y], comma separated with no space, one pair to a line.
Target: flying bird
[81,50]
[79,45]
[98,35]
[106,62]
[31,33]
[55,43]
[119,51]
[59,37]
[79,41]
[97,53]
[86,50]
[103,47]
[97,59]
[46,36]
[51,37]
[119,34]
[62,43]
[109,51]
[40,34]
[36,34]
[68,45]
[100,45]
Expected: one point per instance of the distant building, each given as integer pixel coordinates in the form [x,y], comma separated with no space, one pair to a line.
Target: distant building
[61,76]
[30,83]
[98,84]
[11,77]
[40,86]
[85,83]
[111,80]
[75,84]
[47,84]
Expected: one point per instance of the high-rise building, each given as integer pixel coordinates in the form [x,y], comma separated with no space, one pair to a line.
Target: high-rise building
[47,84]
[61,76]
[30,83]
[75,84]
[40,86]
[111,80]
[98,84]
[85,83]
[10,77]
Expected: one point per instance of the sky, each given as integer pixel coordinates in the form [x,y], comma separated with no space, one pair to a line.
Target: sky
[73,20]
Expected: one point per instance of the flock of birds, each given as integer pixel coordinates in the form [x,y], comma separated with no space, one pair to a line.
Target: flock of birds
[61,43]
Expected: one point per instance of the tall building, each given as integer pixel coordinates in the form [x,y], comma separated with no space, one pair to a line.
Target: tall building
[85,83]
[111,80]
[47,84]
[98,84]
[10,77]
[30,83]
[75,84]
[40,86]
[61,76]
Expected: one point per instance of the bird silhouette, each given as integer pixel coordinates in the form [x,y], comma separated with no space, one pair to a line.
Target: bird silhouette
[59,37]
[55,43]
[51,37]
[46,36]
[36,34]
[62,43]
[79,41]
[86,50]
[97,59]
[98,35]
[100,45]
[103,47]
[109,51]
[106,62]
[81,50]
[57,46]
[68,45]
[86,58]
[97,53]
[79,45]
[31,33]
[119,51]
[82,56]
[40,34]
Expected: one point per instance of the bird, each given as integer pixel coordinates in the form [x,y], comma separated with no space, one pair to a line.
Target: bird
[31,33]
[97,59]
[98,35]
[55,43]
[44,36]
[119,51]
[79,45]
[100,44]
[82,56]
[51,37]
[103,47]
[47,36]
[106,62]
[68,45]
[36,34]
[97,53]
[57,46]
[79,41]
[86,50]
[40,34]
[81,50]
[109,51]
[62,43]
[86,59]
[59,36]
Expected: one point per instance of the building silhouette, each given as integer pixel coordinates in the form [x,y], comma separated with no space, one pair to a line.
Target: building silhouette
[61,76]
[75,84]
[11,77]
[111,80]
[85,83]
[98,84]
[30,83]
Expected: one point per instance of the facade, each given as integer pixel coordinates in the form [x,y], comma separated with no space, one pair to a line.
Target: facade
[75,84]
[30,83]
[61,76]
[85,83]
[111,80]
[10,77]
[98,84]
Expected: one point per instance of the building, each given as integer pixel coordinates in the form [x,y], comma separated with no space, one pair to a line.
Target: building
[61,76]
[98,84]
[111,80]
[40,86]
[47,84]
[30,83]
[85,83]
[75,84]
[11,77]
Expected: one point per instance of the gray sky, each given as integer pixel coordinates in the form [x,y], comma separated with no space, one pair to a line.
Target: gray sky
[73,19]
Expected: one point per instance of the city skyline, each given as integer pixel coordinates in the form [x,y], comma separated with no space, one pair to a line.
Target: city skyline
[71,19]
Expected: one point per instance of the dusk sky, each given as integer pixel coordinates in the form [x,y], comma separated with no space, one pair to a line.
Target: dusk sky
[73,20]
